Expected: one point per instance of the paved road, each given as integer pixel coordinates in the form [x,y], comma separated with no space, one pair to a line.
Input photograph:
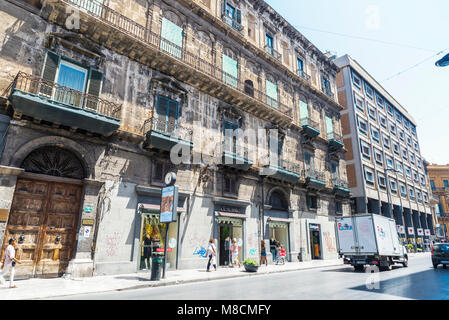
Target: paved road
[418,281]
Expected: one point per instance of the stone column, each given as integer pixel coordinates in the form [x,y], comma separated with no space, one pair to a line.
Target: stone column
[82,264]
[8,179]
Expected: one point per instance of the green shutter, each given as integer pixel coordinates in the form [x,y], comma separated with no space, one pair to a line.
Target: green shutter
[272,94]
[94,88]
[303,112]
[223,8]
[171,38]
[329,128]
[230,70]
[239,16]
[49,72]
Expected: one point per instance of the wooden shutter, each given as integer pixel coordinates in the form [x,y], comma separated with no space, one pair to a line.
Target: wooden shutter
[94,89]
[159,122]
[172,115]
[49,73]
[223,9]
[239,16]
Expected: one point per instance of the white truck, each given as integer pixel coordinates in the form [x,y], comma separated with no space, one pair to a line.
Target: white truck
[370,239]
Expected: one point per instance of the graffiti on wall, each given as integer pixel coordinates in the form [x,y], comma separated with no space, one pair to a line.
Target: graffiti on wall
[200,251]
[252,252]
[330,242]
[112,242]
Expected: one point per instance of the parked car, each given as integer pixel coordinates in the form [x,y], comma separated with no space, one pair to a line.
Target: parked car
[440,254]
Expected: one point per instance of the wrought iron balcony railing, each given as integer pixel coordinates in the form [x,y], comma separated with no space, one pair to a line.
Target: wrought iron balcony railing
[336,181]
[272,52]
[334,136]
[314,174]
[181,54]
[309,122]
[303,75]
[170,128]
[57,93]
[233,23]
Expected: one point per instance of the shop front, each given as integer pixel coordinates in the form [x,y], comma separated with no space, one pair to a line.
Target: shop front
[151,232]
[315,241]
[230,220]
[278,229]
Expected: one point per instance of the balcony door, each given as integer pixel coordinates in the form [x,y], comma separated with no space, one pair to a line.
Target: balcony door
[73,77]
[166,120]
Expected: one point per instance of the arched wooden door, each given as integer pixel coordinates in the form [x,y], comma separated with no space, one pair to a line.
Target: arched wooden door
[44,214]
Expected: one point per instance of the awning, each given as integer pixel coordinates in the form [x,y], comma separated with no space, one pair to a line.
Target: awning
[230,214]
[278,222]
[155,208]
[230,218]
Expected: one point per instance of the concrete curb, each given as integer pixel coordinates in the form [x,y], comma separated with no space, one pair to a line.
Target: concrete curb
[188,281]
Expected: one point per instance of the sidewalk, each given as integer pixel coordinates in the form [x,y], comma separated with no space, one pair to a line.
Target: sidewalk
[46,288]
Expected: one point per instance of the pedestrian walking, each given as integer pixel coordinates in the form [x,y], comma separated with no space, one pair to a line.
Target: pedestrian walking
[211,253]
[235,253]
[278,252]
[273,248]
[9,262]
[282,254]
[263,253]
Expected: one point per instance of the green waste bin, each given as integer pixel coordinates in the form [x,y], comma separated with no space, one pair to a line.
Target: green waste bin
[156,265]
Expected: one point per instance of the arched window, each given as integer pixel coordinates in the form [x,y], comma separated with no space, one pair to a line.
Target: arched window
[54,161]
[278,201]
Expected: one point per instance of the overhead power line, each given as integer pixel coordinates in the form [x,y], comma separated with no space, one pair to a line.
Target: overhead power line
[367,39]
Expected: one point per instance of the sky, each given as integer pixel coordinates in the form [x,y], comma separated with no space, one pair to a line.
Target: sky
[409,38]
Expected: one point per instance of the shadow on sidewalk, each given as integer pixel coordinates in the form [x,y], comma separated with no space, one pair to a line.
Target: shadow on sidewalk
[132,278]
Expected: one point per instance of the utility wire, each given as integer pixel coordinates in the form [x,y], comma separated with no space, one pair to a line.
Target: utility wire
[367,39]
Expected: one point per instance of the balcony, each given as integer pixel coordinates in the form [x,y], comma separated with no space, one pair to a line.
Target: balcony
[314,179]
[124,36]
[335,141]
[272,52]
[310,127]
[232,23]
[303,75]
[233,160]
[341,187]
[164,134]
[45,100]
[287,171]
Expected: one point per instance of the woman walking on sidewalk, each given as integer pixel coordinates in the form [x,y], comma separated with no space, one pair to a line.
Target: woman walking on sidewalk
[263,253]
[8,263]
[211,253]
[235,253]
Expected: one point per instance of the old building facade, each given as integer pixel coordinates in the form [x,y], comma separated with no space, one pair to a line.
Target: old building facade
[100,98]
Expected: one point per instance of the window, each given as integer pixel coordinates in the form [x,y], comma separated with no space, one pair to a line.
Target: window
[389,162]
[369,176]
[272,94]
[401,135]
[359,103]
[309,161]
[380,101]
[426,197]
[399,168]
[312,202]
[392,128]
[419,196]
[167,114]
[230,141]
[403,190]
[396,148]
[411,193]
[372,113]
[232,16]
[408,172]
[375,135]
[413,131]
[326,85]
[366,150]
[412,158]
[409,140]
[398,117]
[230,184]
[422,179]
[338,208]
[303,112]
[171,38]
[387,142]
[329,128]
[432,185]
[383,121]
[159,170]
[363,127]
[335,170]
[404,154]
[389,109]
[300,67]
[230,70]
[393,186]
[381,180]
[369,92]
[415,144]
[269,44]
[378,157]
[356,81]
[415,176]
[446,183]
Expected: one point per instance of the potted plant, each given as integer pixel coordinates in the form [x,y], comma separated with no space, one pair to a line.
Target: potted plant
[251,265]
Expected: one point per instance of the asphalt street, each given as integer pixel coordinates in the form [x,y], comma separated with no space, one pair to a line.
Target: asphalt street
[419,281]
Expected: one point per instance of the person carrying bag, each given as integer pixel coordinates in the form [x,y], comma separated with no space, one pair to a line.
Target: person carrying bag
[211,253]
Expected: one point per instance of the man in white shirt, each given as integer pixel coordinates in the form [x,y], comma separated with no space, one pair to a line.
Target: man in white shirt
[9,260]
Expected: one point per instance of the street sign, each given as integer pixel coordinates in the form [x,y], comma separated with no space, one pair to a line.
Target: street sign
[400,229]
[427,232]
[411,231]
[420,232]
[169,204]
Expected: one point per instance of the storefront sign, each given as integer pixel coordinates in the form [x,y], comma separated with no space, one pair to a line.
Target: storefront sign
[400,229]
[88,208]
[162,249]
[427,232]
[314,227]
[420,232]
[411,231]
[88,222]
[168,201]
[230,209]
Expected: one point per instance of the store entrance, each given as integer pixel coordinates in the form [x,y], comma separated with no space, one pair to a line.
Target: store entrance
[315,242]
[227,232]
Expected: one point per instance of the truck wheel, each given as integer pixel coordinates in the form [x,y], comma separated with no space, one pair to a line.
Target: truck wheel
[359,268]
[405,263]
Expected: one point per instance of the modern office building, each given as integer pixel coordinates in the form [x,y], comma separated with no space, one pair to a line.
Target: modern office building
[96,95]
[383,160]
